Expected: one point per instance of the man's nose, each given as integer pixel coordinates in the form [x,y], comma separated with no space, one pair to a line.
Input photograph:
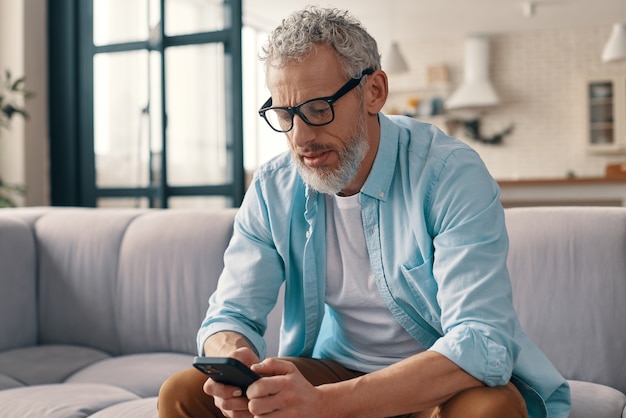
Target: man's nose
[301,134]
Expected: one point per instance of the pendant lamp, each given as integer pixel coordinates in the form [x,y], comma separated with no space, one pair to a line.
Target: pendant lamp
[393,61]
[615,48]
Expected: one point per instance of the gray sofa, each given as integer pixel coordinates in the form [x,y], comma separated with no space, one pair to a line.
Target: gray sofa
[99,306]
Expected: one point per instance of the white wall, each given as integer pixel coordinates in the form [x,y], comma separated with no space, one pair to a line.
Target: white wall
[539,77]
[24,149]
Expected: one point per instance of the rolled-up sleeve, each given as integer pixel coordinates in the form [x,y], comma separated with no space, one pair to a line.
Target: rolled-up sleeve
[249,284]
[474,290]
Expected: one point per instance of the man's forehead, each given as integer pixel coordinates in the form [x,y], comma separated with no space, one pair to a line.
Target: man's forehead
[318,74]
[321,58]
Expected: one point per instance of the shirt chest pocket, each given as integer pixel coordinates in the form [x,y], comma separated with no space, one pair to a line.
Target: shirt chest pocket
[422,288]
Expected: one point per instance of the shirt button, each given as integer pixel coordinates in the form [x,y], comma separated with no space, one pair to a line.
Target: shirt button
[308,234]
[381,194]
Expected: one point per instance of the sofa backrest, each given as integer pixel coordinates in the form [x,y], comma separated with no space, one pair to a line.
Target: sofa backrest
[79,254]
[122,281]
[568,269]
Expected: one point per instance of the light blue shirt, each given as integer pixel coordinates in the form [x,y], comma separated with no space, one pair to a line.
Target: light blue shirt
[437,244]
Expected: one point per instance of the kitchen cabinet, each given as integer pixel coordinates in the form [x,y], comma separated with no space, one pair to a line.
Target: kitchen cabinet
[605,99]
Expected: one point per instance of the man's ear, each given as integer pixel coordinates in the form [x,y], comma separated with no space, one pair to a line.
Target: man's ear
[376,92]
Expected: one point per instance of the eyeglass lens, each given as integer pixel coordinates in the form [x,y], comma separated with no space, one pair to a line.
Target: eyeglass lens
[315,112]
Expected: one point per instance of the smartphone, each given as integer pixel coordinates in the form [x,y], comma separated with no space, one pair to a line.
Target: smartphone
[226,370]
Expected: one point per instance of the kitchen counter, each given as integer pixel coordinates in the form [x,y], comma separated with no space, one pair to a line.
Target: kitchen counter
[577,191]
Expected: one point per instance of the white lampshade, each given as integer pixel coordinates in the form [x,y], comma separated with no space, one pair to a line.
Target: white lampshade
[615,48]
[393,61]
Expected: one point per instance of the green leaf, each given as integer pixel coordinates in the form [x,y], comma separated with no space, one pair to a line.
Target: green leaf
[18,85]
[7,191]
[9,90]
[6,201]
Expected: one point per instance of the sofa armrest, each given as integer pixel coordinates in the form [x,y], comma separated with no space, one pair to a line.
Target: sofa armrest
[592,400]
[18,277]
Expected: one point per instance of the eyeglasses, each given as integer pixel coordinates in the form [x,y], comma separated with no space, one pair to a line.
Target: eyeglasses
[314,112]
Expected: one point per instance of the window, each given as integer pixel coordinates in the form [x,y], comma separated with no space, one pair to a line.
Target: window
[146,103]
[260,141]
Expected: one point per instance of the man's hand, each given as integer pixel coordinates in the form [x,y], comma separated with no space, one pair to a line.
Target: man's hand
[230,399]
[284,392]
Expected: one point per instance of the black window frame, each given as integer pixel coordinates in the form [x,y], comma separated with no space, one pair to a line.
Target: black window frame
[70,70]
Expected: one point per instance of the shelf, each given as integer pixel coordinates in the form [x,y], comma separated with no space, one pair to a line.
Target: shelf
[601,102]
[601,126]
[403,91]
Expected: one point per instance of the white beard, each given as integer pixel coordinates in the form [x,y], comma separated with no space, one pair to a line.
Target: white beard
[350,159]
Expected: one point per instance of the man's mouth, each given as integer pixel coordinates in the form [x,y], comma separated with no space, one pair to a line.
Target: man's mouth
[316,159]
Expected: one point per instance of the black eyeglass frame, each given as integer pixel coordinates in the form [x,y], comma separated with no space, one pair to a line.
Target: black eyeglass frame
[295,110]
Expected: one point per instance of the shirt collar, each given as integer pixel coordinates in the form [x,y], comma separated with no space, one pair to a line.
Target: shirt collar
[379,179]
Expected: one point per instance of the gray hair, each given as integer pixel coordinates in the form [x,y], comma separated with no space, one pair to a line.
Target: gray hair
[298,34]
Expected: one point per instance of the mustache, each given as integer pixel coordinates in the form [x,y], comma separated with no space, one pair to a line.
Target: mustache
[313,148]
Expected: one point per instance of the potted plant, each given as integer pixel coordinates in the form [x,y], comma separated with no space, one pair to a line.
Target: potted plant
[10,90]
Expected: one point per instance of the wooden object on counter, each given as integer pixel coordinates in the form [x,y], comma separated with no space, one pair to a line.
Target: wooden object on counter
[437,74]
[576,191]
[616,171]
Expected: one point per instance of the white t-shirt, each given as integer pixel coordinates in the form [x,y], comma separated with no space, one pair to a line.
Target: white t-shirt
[368,336]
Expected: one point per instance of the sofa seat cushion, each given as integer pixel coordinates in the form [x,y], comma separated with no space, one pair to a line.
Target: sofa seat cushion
[7,382]
[141,374]
[44,364]
[141,408]
[595,400]
[60,400]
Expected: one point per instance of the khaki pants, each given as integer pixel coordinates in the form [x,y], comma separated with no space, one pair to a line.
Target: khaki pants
[182,395]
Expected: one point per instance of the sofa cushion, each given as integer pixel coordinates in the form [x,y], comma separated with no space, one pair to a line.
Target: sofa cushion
[141,374]
[142,408]
[78,260]
[598,401]
[18,284]
[44,364]
[60,401]
[168,267]
[7,382]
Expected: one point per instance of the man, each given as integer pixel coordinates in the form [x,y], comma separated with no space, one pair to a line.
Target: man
[390,240]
